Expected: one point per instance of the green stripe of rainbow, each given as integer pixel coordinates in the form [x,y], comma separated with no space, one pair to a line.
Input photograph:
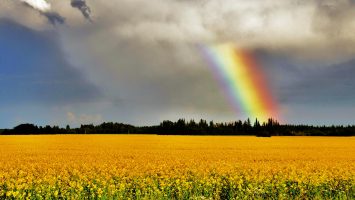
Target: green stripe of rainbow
[242,80]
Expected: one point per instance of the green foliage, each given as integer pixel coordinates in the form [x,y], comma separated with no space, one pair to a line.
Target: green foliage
[210,187]
[183,127]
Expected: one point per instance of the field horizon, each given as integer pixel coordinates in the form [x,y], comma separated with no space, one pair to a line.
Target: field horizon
[190,127]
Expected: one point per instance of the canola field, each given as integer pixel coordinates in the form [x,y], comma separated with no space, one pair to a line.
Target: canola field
[176,167]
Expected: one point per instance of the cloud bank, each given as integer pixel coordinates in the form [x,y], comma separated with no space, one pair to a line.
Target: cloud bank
[306,28]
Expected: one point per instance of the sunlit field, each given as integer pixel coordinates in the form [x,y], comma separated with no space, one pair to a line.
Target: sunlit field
[176,167]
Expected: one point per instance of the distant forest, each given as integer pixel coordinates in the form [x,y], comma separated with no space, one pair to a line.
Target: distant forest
[183,127]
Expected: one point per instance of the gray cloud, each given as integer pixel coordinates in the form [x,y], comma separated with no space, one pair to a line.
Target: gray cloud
[306,29]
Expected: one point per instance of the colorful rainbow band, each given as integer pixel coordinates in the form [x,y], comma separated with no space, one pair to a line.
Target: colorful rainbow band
[242,81]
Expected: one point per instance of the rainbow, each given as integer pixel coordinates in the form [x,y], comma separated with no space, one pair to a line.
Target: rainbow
[242,81]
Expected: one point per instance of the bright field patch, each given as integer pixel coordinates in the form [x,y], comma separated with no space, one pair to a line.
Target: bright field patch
[178,167]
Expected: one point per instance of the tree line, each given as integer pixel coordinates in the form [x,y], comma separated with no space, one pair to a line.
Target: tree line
[191,127]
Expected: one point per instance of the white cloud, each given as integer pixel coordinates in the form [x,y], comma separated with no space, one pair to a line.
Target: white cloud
[41,5]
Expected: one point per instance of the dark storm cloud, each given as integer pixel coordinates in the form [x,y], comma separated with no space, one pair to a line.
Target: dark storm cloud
[308,83]
[54,18]
[331,85]
[34,69]
[83,7]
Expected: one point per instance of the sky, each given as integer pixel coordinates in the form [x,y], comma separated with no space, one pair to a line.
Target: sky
[139,62]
